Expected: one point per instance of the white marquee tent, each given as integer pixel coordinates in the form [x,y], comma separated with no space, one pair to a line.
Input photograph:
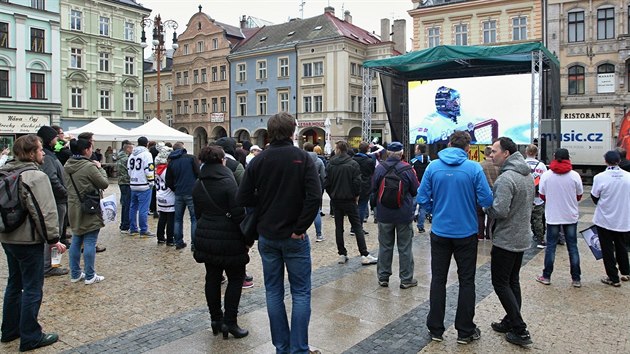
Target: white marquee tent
[158,131]
[103,130]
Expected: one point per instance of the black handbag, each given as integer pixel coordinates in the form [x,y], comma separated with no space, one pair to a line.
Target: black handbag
[91,201]
[249,225]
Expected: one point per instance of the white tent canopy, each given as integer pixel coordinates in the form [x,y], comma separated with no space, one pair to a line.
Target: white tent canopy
[158,131]
[103,130]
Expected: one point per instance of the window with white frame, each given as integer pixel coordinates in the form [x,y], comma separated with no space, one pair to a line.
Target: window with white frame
[308,104]
[130,102]
[261,73]
[489,31]
[215,75]
[576,26]
[461,34]
[318,104]
[4,83]
[242,104]
[185,77]
[215,104]
[204,75]
[223,73]
[433,37]
[195,106]
[38,86]
[76,19]
[185,49]
[519,28]
[178,109]
[169,92]
[318,68]
[223,103]
[103,61]
[262,103]
[37,40]
[76,58]
[283,101]
[4,35]
[169,120]
[147,94]
[103,26]
[283,64]
[104,103]
[129,65]
[242,72]
[129,31]
[353,69]
[199,46]
[186,107]
[215,43]
[76,97]
[353,103]
[195,76]
[606,23]
[38,4]
[178,79]
[204,105]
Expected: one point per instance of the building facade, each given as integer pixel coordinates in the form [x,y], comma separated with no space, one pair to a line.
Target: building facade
[149,91]
[102,62]
[29,67]
[311,68]
[475,22]
[592,41]
[201,78]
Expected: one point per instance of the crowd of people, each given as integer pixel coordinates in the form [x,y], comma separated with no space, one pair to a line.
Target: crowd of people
[509,198]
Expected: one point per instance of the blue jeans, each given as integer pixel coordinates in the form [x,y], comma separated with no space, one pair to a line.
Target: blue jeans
[570,234]
[318,223]
[88,241]
[139,210]
[363,209]
[402,234]
[23,295]
[181,203]
[422,214]
[296,255]
[125,201]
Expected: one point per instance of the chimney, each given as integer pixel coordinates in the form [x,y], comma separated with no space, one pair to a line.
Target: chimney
[385,30]
[347,17]
[400,35]
[330,10]
[243,22]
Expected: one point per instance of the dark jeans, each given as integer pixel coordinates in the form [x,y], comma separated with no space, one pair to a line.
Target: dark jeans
[153,205]
[23,295]
[125,200]
[167,220]
[505,267]
[349,208]
[235,276]
[465,252]
[614,252]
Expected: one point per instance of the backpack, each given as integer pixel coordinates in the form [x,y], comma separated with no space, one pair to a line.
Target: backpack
[11,208]
[390,190]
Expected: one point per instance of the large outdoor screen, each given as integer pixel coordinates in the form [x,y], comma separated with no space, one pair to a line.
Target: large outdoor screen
[488,107]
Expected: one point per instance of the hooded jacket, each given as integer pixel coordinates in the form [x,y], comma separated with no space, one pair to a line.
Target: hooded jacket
[141,169]
[451,188]
[87,178]
[319,166]
[182,172]
[54,169]
[512,205]
[367,165]
[343,178]
[42,224]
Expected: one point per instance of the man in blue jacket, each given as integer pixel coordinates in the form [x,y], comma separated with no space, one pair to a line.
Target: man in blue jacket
[451,188]
[181,175]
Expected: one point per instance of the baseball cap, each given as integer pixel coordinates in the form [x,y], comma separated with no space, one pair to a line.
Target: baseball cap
[394,146]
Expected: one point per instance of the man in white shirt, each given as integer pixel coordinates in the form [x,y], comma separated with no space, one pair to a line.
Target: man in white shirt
[538,212]
[561,188]
[611,192]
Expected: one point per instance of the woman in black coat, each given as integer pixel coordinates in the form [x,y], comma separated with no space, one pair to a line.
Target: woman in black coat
[219,243]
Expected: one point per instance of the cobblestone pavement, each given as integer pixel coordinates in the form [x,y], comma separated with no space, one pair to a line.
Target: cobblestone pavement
[152,300]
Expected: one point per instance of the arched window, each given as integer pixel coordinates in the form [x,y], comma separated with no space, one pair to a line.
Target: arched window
[576,80]
[606,69]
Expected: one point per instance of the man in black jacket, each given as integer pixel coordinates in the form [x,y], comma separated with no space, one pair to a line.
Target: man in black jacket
[283,186]
[181,175]
[343,184]
[367,164]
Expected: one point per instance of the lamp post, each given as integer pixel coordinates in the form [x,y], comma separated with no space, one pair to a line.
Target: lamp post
[159,27]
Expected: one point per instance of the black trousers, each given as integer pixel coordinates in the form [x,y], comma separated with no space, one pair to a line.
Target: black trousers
[166,221]
[235,276]
[505,267]
[614,252]
[349,208]
[465,252]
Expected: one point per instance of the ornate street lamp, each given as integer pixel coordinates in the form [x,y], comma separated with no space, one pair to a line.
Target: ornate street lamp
[159,27]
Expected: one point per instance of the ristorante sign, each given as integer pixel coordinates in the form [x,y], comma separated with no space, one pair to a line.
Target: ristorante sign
[22,123]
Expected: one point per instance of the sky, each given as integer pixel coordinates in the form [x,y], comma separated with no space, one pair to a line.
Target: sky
[366,14]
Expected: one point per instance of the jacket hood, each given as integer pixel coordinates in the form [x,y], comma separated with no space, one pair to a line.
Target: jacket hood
[215,171]
[138,150]
[453,156]
[177,154]
[561,167]
[312,155]
[516,163]
[340,159]
[16,164]
[73,164]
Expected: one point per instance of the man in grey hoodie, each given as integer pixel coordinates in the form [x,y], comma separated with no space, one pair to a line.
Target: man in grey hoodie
[511,208]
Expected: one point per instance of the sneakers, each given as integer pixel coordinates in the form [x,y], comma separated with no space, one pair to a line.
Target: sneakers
[319,238]
[368,260]
[541,245]
[466,340]
[249,277]
[410,284]
[625,278]
[606,280]
[383,283]
[76,280]
[523,339]
[161,242]
[47,339]
[576,284]
[352,234]
[247,284]
[365,233]
[342,259]
[500,327]
[170,243]
[124,232]
[543,280]
[100,249]
[421,230]
[147,234]
[180,246]
[53,272]
[95,279]
[133,233]
[436,337]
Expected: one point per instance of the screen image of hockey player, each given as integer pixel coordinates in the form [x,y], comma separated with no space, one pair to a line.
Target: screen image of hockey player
[486,107]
